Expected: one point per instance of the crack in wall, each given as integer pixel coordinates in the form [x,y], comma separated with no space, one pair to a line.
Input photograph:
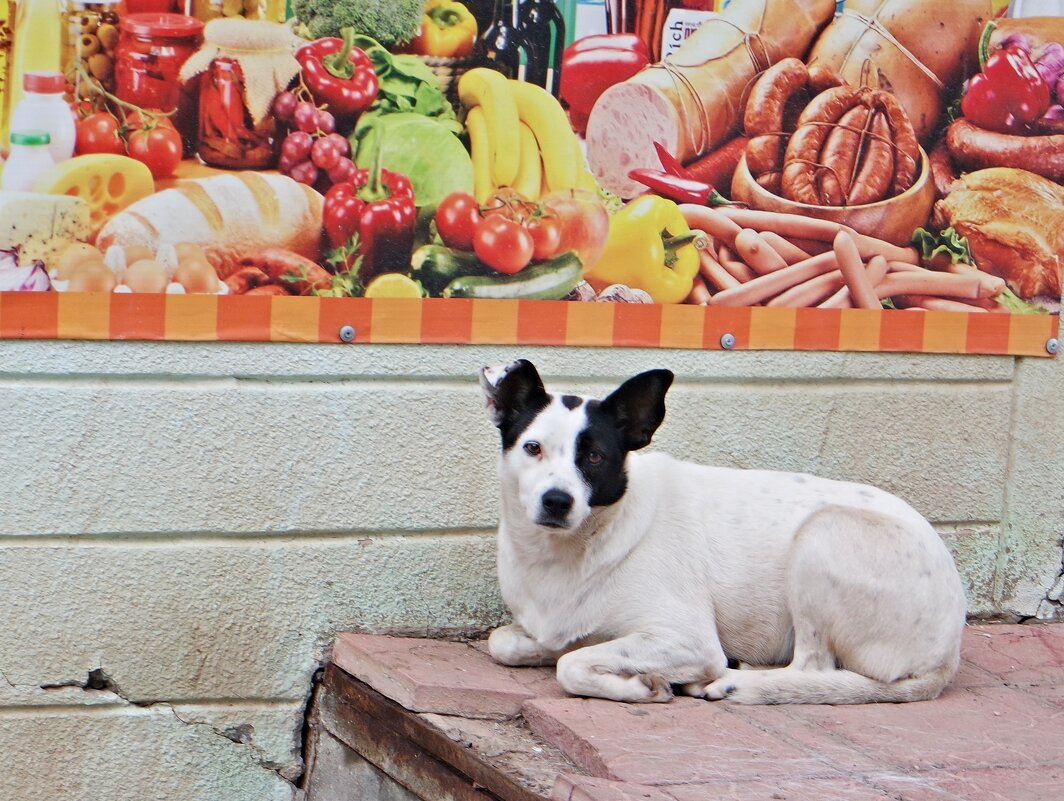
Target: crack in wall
[1052,606]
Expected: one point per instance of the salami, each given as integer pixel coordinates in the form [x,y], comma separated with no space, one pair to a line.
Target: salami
[976,148]
[690,102]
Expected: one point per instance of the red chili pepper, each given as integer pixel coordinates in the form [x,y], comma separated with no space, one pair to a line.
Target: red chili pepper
[1008,95]
[338,74]
[676,182]
[372,217]
[592,65]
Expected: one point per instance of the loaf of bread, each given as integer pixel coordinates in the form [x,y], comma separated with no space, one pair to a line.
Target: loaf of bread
[226,215]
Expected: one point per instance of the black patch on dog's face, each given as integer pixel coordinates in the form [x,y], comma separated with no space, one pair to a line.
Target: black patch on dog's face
[570,402]
[519,397]
[600,457]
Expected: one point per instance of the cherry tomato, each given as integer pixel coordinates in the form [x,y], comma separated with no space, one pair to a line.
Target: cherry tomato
[508,202]
[98,133]
[546,234]
[457,218]
[158,148]
[503,244]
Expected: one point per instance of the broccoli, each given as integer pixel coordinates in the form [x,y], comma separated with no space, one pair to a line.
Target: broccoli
[390,22]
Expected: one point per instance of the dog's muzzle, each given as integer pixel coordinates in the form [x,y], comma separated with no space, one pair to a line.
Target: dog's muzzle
[555,506]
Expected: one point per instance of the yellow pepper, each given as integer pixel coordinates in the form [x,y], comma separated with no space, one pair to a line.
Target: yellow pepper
[448,30]
[649,247]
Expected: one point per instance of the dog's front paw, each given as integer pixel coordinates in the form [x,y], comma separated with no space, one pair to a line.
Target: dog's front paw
[510,645]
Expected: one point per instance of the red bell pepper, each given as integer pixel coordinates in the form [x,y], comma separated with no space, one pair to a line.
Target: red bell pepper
[338,74]
[1009,94]
[370,221]
[593,64]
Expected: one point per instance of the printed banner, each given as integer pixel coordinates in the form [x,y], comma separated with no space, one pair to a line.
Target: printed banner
[869,175]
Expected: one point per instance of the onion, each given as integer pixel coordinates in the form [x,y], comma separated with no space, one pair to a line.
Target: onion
[28,278]
[1050,64]
[1017,40]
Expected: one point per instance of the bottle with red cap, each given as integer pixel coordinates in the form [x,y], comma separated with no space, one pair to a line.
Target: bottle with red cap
[43,108]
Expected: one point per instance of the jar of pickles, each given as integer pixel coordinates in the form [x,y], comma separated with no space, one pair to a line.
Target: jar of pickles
[242,66]
[151,51]
[90,39]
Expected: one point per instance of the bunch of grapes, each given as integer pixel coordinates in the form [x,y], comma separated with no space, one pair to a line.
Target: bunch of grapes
[312,153]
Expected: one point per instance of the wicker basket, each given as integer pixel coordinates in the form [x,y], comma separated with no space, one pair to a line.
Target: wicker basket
[448,71]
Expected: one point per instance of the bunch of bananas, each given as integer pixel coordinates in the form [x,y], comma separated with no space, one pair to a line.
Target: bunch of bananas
[519,137]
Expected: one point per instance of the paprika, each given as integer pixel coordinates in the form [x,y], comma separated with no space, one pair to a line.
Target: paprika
[1009,94]
[650,247]
[448,30]
[338,74]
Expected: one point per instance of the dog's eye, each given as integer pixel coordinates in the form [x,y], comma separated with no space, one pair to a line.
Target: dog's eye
[532,448]
[594,457]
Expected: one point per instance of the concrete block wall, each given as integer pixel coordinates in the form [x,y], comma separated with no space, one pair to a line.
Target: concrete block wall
[184,527]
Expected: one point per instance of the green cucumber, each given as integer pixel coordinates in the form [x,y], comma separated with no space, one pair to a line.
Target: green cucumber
[435,266]
[550,280]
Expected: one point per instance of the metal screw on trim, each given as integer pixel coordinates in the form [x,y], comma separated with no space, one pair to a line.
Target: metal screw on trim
[727,341]
[1053,345]
[347,333]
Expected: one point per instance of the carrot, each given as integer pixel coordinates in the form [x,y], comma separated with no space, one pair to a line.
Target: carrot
[802,227]
[929,282]
[711,221]
[756,253]
[790,252]
[767,286]
[928,303]
[737,268]
[699,293]
[811,292]
[714,273]
[862,290]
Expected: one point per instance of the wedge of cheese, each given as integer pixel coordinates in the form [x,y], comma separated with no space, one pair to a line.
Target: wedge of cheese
[108,182]
[42,225]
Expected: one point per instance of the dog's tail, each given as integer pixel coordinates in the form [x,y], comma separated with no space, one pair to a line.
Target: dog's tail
[793,686]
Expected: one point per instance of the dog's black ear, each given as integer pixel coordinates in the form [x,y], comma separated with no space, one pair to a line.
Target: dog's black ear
[638,407]
[517,392]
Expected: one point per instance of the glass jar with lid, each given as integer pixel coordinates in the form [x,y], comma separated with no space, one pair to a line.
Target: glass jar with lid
[241,68]
[151,51]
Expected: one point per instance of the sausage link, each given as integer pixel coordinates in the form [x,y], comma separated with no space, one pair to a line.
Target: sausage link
[799,164]
[823,77]
[839,156]
[873,179]
[763,118]
[975,148]
[906,145]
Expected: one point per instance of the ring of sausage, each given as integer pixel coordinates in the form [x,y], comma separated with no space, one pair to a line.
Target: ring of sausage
[803,150]
[765,108]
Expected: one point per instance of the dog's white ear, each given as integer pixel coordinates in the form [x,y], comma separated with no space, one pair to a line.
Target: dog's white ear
[510,389]
[638,407]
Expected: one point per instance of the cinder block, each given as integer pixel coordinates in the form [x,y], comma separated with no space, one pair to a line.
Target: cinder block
[128,754]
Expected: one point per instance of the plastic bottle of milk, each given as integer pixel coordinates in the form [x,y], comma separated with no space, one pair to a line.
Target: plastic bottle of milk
[30,158]
[42,108]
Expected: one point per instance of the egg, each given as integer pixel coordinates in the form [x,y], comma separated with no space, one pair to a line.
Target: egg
[138,252]
[189,251]
[73,257]
[91,276]
[196,275]
[146,275]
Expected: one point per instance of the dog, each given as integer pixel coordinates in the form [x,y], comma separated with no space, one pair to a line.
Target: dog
[640,575]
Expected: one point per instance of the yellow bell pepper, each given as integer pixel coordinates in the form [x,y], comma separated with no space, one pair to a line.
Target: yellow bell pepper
[448,30]
[649,247]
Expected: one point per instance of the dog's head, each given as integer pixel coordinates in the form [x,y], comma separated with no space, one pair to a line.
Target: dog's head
[563,455]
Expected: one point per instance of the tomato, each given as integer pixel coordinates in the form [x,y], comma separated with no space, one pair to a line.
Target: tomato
[503,244]
[135,120]
[98,133]
[584,223]
[457,218]
[508,202]
[158,148]
[546,231]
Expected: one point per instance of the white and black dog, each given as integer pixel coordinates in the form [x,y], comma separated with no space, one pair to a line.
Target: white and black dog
[638,573]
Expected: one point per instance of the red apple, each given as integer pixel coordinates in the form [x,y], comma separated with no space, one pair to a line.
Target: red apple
[584,222]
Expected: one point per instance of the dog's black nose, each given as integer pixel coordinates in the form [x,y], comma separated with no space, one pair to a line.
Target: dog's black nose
[557,503]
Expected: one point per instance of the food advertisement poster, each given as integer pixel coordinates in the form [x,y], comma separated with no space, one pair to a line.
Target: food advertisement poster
[880,175]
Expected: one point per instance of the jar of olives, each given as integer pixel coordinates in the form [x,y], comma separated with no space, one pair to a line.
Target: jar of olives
[90,40]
